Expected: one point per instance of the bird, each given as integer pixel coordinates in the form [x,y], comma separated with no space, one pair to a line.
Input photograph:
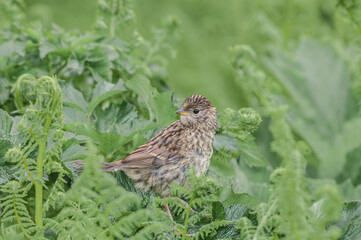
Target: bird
[164,159]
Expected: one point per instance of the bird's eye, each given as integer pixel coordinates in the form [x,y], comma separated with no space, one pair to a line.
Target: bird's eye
[196,111]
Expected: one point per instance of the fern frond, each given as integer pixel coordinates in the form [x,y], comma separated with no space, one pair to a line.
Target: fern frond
[14,211]
[94,209]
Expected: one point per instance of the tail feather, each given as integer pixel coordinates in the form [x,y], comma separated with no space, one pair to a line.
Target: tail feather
[111,167]
[107,167]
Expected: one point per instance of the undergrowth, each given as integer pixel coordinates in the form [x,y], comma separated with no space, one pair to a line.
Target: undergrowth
[97,96]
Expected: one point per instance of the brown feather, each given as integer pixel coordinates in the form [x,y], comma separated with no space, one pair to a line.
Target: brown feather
[160,149]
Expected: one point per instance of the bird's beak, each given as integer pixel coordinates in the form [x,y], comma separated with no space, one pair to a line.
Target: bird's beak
[182,112]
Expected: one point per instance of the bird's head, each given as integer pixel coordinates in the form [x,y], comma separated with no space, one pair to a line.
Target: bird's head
[197,111]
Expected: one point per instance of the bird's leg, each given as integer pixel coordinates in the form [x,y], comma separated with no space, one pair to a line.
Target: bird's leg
[170,215]
[168,211]
[187,205]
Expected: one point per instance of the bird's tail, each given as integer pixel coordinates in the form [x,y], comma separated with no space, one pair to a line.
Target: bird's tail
[107,167]
[111,166]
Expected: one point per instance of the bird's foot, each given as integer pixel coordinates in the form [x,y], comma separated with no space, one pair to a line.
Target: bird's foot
[187,205]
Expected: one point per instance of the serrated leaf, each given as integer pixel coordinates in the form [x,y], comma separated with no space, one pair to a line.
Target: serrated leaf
[73,97]
[218,212]
[4,90]
[222,141]
[45,47]
[349,192]
[315,113]
[98,64]
[251,154]
[228,198]
[159,105]
[5,145]
[350,222]
[73,114]
[236,211]
[12,47]
[6,174]
[107,142]
[72,153]
[103,91]
[5,123]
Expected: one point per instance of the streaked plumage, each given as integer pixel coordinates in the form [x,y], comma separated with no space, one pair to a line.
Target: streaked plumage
[184,144]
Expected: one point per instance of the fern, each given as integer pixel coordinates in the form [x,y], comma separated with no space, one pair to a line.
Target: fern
[202,195]
[41,128]
[96,208]
[14,209]
[288,212]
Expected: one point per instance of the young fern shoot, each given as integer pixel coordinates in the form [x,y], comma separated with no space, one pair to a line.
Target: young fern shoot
[43,138]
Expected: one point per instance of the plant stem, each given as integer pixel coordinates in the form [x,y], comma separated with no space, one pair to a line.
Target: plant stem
[40,165]
[17,216]
[39,186]
[187,217]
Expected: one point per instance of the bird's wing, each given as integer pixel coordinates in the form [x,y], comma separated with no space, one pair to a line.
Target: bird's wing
[163,147]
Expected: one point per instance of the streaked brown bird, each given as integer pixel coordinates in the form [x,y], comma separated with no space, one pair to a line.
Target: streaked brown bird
[186,143]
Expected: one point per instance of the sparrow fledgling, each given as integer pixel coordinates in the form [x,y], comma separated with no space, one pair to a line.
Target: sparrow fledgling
[184,144]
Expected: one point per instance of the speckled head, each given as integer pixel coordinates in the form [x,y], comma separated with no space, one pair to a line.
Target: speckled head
[197,111]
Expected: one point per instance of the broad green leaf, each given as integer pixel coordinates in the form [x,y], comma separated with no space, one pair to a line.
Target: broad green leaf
[103,91]
[236,211]
[6,142]
[251,154]
[159,105]
[73,97]
[6,174]
[107,142]
[228,198]
[126,182]
[5,124]
[350,222]
[98,64]
[218,212]
[164,109]
[349,191]
[45,47]
[73,114]
[319,114]
[114,117]
[72,153]
[222,141]
[4,90]
[12,47]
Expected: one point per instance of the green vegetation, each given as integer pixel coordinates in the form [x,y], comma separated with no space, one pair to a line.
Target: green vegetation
[284,76]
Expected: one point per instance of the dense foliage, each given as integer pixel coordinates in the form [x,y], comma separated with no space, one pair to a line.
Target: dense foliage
[286,167]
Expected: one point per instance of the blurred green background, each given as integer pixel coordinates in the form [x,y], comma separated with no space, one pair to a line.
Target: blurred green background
[308,50]
[208,29]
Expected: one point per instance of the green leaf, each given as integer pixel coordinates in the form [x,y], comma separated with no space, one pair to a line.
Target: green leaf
[218,212]
[6,174]
[103,91]
[4,90]
[319,117]
[251,154]
[236,211]
[73,97]
[45,47]
[73,114]
[222,141]
[12,47]
[228,198]
[5,123]
[159,105]
[107,142]
[349,191]
[350,222]
[98,64]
